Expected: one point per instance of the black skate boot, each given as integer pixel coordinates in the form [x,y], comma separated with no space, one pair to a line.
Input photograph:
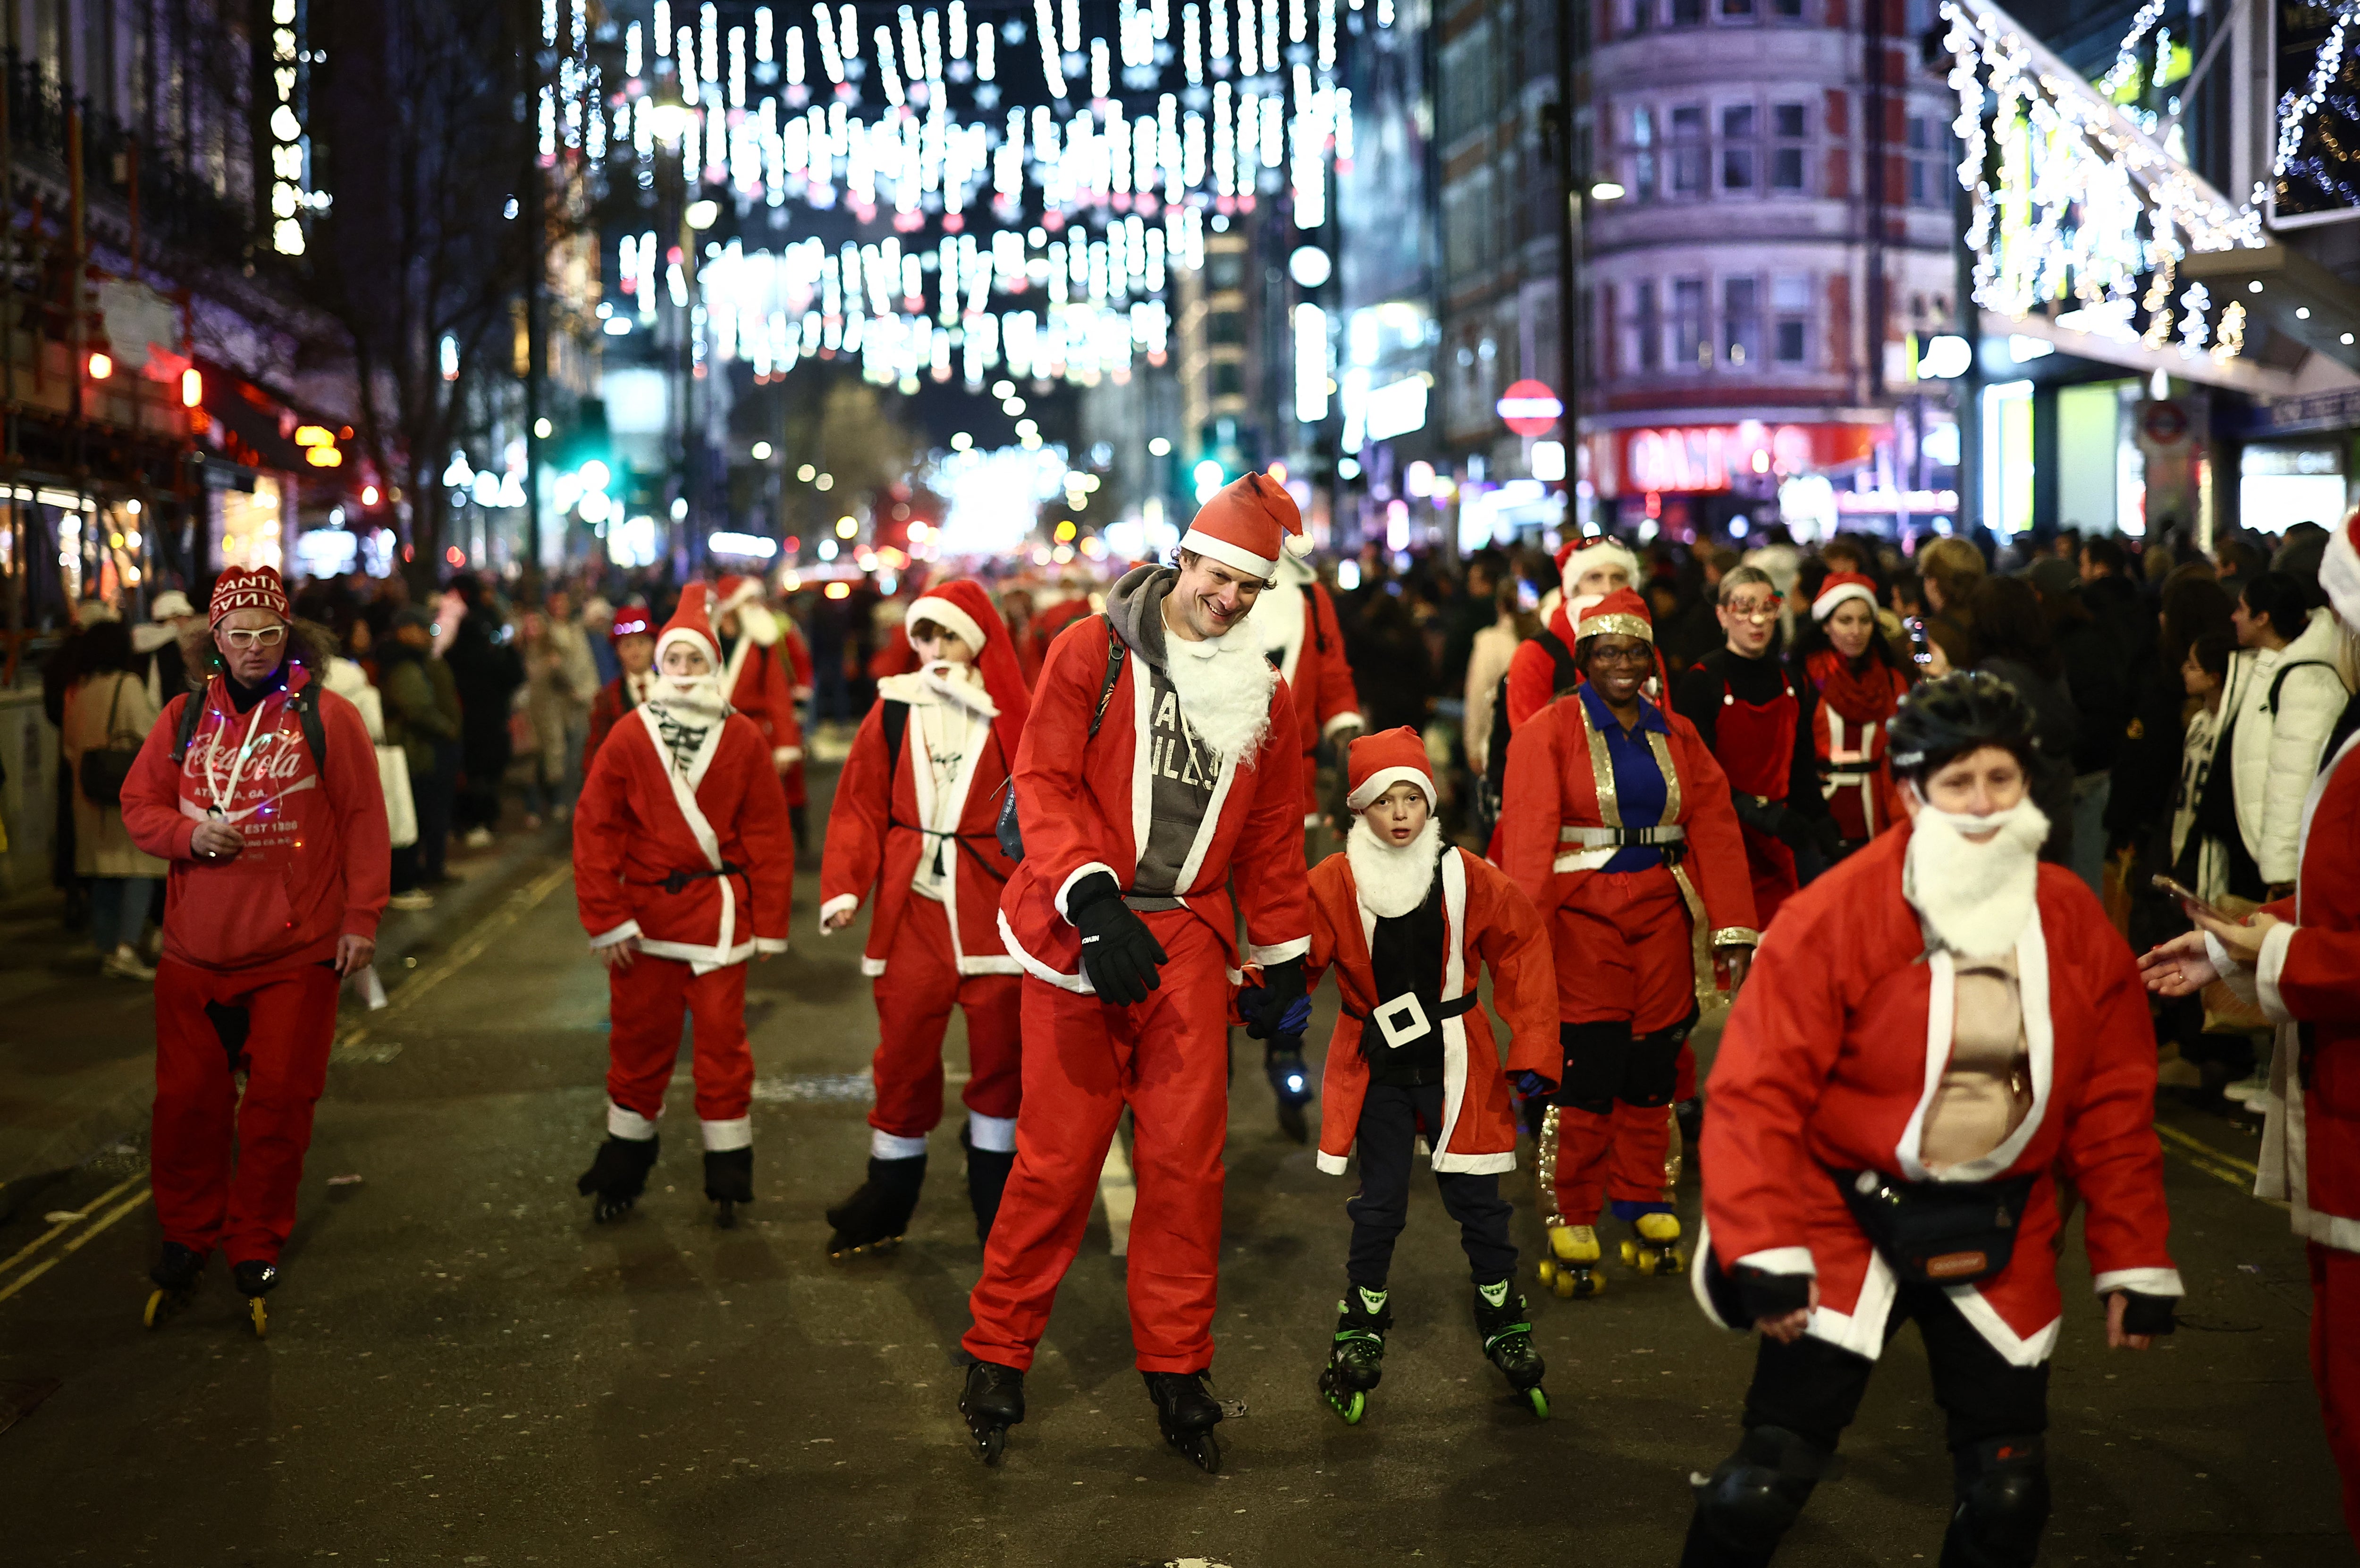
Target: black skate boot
[176,1274]
[986,1178]
[873,1218]
[617,1176]
[729,1181]
[1187,1415]
[992,1401]
[254,1279]
[1290,1080]
[1356,1363]
[1500,1317]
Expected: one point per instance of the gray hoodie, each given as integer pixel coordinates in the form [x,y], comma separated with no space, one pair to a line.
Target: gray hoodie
[1183,768]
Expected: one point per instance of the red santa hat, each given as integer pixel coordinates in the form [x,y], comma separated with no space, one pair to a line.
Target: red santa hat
[1840,586]
[1247,525]
[631,621]
[1379,761]
[692,623]
[744,595]
[261,589]
[1576,556]
[1621,612]
[964,607]
[2339,572]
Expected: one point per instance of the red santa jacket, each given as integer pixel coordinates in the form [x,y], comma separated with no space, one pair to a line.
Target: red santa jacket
[1531,671]
[756,681]
[641,821]
[2307,978]
[1848,735]
[616,699]
[1311,658]
[1485,919]
[1552,786]
[874,835]
[1830,1060]
[1084,807]
[318,858]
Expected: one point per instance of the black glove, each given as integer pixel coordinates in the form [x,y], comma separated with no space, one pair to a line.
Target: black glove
[1827,839]
[1265,1007]
[1766,1295]
[1791,828]
[1290,1079]
[2145,1314]
[1120,955]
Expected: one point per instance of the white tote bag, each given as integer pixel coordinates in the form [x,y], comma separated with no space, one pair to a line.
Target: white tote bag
[400,806]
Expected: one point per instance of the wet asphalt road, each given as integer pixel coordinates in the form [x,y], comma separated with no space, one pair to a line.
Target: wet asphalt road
[463,1369]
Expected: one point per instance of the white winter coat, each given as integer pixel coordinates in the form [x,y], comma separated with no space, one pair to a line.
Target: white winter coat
[2275,751]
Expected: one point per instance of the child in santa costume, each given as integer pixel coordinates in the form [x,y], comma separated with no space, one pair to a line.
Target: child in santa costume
[1938,1033]
[633,638]
[913,824]
[2299,958]
[683,866]
[758,680]
[1859,684]
[1407,926]
[1618,825]
[1161,769]
[261,790]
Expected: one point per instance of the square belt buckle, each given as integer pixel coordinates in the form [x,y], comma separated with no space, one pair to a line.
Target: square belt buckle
[1403,1020]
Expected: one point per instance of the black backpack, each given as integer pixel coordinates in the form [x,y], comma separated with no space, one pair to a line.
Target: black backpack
[1563,677]
[1009,831]
[304,705]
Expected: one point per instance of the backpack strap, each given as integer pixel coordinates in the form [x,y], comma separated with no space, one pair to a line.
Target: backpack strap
[2277,682]
[1116,652]
[192,709]
[306,706]
[894,716]
[1565,674]
[1311,614]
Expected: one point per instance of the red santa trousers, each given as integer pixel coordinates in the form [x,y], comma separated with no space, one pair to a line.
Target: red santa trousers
[1168,1060]
[278,1024]
[2335,1364]
[914,997]
[646,1002]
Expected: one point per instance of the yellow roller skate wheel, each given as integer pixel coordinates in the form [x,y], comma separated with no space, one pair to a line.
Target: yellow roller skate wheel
[258,1316]
[1547,1271]
[1590,1285]
[1630,1253]
[1565,1285]
[155,1306]
[1647,1261]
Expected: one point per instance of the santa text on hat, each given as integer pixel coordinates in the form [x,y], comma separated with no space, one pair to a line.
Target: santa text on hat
[250,620]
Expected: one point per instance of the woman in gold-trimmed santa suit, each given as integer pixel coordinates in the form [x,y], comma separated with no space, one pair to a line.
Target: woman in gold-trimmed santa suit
[1617,823]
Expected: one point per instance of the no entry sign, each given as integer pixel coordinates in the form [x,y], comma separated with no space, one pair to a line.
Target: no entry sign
[1530,408]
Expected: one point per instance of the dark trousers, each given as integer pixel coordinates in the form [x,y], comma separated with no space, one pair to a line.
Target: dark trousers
[488,755]
[1390,1119]
[433,792]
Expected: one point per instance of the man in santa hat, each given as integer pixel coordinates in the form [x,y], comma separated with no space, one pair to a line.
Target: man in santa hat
[1161,768]
[1758,719]
[914,822]
[1938,1035]
[633,638]
[1407,924]
[261,789]
[1618,825]
[683,866]
[2299,958]
[758,679]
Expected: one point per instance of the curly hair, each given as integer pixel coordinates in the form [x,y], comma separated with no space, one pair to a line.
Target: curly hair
[309,643]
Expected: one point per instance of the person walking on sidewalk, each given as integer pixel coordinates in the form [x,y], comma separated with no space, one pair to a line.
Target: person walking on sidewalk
[260,789]
[633,638]
[107,715]
[1162,767]
[913,825]
[683,868]
[422,717]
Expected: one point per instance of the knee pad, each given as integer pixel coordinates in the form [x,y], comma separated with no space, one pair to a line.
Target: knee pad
[1757,1493]
[1654,1071]
[2003,1488]
[1596,1058]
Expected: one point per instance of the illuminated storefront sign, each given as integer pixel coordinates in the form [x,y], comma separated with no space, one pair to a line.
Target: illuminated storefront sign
[1688,459]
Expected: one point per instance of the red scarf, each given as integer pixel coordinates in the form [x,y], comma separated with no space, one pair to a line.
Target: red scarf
[1868,696]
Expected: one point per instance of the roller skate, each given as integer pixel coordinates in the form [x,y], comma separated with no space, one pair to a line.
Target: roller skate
[986,1178]
[1501,1318]
[871,1220]
[729,1181]
[1187,1415]
[177,1274]
[1356,1363]
[1655,1248]
[617,1176]
[1571,1266]
[254,1279]
[992,1401]
[1290,1081]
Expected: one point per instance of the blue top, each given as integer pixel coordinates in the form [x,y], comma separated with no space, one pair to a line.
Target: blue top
[1638,781]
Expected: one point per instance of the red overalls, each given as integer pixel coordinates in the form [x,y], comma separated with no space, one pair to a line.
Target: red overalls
[1755,743]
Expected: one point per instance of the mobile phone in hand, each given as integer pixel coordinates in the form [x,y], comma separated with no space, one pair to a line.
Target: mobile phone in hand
[2165,884]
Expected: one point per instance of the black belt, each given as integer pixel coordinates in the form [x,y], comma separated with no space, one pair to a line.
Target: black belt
[678,881]
[961,840]
[1453,1008]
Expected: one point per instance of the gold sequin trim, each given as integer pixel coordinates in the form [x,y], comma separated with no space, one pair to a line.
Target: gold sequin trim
[1619,625]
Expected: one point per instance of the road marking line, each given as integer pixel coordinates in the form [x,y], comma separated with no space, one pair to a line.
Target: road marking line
[470,948]
[1119,1193]
[2198,1149]
[28,1277]
[63,1225]
[124,1208]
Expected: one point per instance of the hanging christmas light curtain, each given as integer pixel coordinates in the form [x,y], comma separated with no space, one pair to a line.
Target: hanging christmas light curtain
[2075,209]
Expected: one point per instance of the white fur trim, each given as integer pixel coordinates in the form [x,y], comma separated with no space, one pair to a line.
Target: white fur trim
[684,634]
[626,1124]
[769,946]
[1779,1260]
[993,1135]
[2146,1281]
[1598,552]
[624,932]
[945,613]
[2339,573]
[1825,605]
[1383,779]
[1697,1272]
[1343,721]
[2268,965]
[1079,984]
[993,963]
[2040,1043]
[2017,1349]
[785,756]
[1269,953]
[884,1144]
[1472,1164]
[1066,888]
[834,906]
[871,968]
[1229,554]
[737,1133]
[1332,1164]
[1861,1330]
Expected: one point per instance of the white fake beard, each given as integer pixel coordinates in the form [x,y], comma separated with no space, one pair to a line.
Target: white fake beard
[692,702]
[1975,899]
[1392,880]
[961,684]
[1276,619]
[1223,685]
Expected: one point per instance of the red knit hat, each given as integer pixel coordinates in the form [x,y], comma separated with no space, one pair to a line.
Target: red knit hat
[631,621]
[261,589]
[1621,612]
[1247,525]
[1379,761]
[2339,572]
[963,606]
[691,623]
[1576,556]
[1840,586]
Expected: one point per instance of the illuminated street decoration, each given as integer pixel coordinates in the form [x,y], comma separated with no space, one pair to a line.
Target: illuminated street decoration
[289,145]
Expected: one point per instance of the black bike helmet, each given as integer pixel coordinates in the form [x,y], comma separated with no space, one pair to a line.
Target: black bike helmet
[1943,719]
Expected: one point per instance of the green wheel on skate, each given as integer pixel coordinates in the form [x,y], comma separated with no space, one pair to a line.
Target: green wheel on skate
[1351,1408]
[1539,1402]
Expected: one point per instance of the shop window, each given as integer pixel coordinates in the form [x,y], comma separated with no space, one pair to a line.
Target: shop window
[1229,379]
[1787,10]
[1687,13]
[1737,150]
[1741,323]
[1790,311]
[1929,147]
[1691,347]
[1225,327]
[1642,15]
[1689,151]
[1646,328]
[1643,156]
[1790,126]
[1737,8]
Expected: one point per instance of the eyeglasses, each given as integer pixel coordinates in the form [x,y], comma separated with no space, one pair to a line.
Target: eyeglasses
[1641,653]
[258,636]
[1753,609]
